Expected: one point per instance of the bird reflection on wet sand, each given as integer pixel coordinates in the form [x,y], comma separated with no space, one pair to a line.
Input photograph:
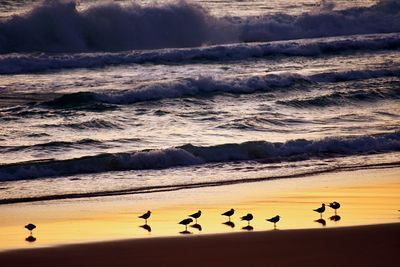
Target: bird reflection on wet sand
[197,226]
[30,239]
[335,218]
[146,227]
[248,228]
[321,221]
[186,232]
[229,223]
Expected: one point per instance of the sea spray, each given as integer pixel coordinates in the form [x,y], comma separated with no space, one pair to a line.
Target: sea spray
[61,27]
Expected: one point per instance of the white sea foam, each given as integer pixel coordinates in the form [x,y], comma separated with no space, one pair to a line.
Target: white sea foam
[208,85]
[194,155]
[60,27]
[25,63]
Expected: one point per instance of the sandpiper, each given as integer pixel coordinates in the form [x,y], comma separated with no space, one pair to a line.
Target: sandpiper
[30,227]
[274,220]
[185,222]
[145,216]
[334,205]
[229,213]
[196,215]
[247,218]
[321,209]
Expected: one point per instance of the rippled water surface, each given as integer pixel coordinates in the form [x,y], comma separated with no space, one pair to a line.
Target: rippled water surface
[116,98]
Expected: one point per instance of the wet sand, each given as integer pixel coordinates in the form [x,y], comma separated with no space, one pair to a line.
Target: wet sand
[368,197]
[374,245]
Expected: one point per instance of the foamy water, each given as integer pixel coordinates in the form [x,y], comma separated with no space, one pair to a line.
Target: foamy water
[117,98]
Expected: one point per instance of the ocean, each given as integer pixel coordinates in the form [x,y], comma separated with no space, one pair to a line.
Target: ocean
[108,98]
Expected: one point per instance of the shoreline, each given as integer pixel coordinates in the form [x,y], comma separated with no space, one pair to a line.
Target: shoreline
[368,197]
[370,245]
[178,187]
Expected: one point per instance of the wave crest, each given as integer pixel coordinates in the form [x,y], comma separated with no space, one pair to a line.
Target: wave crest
[61,27]
[193,155]
[208,85]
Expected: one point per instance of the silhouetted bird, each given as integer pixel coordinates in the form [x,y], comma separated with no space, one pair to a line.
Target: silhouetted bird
[321,221]
[196,215]
[321,209]
[274,220]
[185,222]
[146,227]
[334,205]
[230,224]
[30,227]
[229,213]
[247,218]
[145,216]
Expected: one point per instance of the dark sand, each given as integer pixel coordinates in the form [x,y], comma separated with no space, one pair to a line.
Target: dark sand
[373,245]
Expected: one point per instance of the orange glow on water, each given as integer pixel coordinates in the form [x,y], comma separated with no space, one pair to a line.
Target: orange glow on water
[363,199]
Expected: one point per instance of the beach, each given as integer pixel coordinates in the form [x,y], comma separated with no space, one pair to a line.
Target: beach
[119,120]
[375,245]
[107,230]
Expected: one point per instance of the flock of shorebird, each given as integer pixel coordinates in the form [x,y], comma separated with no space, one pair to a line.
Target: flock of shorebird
[248,217]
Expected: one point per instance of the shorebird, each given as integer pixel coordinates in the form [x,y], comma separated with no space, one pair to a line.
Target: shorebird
[145,216]
[247,218]
[30,227]
[274,220]
[196,215]
[321,209]
[334,205]
[229,213]
[185,222]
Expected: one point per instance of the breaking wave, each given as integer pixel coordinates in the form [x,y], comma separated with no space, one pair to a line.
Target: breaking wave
[187,155]
[58,26]
[206,85]
[25,63]
[341,98]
